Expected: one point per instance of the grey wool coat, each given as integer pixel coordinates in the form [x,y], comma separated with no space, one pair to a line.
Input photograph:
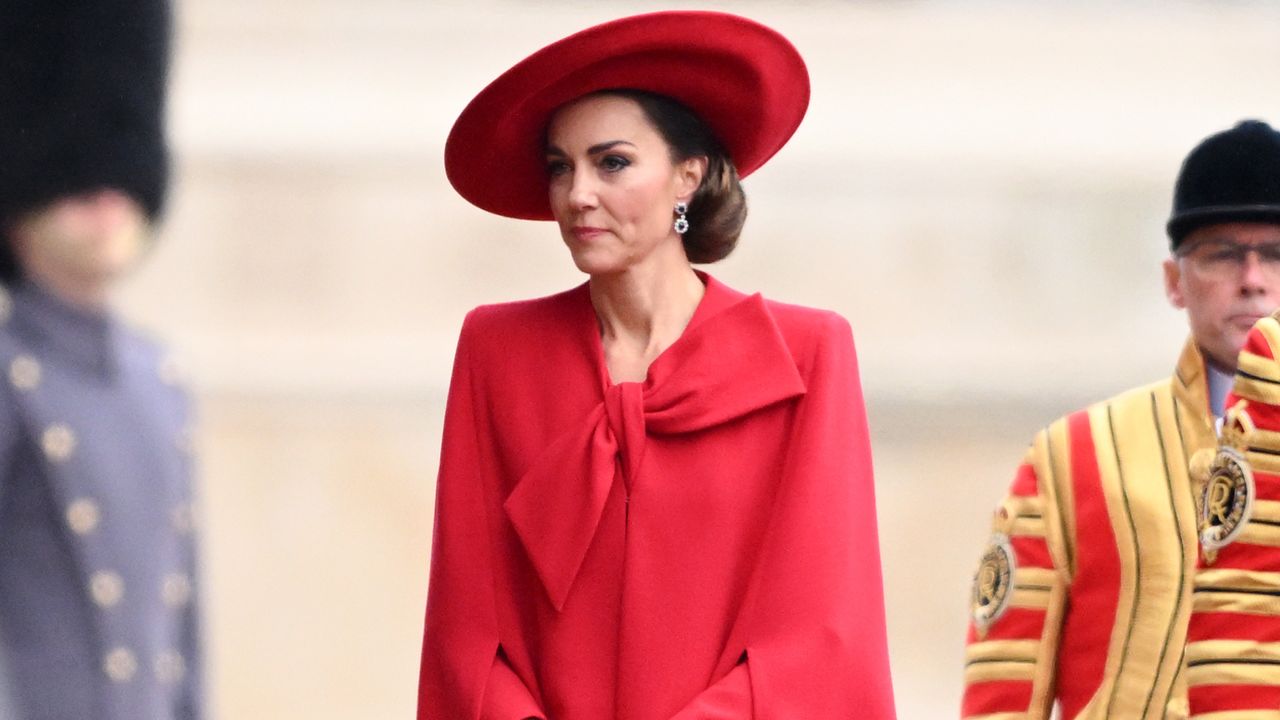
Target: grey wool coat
[98,612]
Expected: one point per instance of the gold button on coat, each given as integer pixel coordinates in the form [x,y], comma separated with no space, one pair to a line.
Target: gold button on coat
[120,665]
[176,590]
[24,372]
[170,667]
[83,516]
[58,442]
[107,588]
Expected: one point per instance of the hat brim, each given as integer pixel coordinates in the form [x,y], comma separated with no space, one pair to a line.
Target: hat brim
[1184,223]
[744,80]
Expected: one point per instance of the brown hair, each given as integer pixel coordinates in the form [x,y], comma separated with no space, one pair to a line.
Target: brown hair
[718,208]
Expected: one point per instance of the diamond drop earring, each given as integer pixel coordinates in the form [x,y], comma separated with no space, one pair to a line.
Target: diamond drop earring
[682,219]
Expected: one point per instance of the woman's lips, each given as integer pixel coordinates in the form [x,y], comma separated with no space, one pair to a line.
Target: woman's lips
[587,233]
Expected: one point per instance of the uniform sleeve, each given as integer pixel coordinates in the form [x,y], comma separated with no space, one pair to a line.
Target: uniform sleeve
[1017,603]
[463,674]
[192,698]
[8,442]
[812,624]
[9,432]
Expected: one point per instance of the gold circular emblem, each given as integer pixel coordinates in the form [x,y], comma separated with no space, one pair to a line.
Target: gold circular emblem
[993,585]
[1227,500]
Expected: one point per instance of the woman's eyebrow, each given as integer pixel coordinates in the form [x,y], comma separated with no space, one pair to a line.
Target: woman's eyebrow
[593,150]
[601,147]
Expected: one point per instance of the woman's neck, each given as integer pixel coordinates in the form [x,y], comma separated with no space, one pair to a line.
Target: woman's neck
[642,311]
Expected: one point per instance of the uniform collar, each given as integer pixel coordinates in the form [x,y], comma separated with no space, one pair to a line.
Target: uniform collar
[1191,388]
[1219,385]
[60,332]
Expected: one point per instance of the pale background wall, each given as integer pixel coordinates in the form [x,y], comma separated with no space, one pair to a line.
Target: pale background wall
[980,187]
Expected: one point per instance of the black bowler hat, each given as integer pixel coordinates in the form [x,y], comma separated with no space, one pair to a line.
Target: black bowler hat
[1233,176]
[81,103]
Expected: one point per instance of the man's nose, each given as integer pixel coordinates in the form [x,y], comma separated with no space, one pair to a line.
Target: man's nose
[1254,277]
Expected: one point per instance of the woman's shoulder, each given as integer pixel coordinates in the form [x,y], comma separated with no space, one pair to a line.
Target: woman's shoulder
[804,317]
[815,337]
[516,318]
[795,321]
[805,327]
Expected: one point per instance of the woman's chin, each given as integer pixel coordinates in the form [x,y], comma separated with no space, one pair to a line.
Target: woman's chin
[593,263]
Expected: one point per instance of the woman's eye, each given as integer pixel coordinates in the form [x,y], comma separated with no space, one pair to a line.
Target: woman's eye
[557,167]
[614,163]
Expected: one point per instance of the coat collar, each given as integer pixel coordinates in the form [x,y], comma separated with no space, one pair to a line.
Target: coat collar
[730,361]
[60,332]
[1191,388]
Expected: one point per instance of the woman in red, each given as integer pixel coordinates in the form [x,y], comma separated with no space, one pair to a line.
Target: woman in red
[655,496]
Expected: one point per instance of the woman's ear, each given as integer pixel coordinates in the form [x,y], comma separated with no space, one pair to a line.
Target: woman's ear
[689,174]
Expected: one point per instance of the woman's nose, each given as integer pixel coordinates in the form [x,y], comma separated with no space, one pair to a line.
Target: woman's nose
[582,191]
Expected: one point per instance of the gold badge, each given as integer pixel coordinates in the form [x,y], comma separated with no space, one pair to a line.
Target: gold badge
[1226,502]
[993,585]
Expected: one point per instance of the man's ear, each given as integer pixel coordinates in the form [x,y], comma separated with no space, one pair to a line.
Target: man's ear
[1173,283]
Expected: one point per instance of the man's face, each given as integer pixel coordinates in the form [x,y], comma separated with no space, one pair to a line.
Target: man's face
[1226,276]
[82,242]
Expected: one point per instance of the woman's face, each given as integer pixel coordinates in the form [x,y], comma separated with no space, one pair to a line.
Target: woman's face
[613,186]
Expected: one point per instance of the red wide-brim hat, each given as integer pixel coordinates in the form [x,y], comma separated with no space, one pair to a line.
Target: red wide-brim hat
[744,80]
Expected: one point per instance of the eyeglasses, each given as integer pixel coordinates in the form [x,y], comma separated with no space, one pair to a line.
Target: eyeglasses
[1226,260]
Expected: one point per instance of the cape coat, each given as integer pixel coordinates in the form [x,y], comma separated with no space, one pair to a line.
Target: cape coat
[699,545]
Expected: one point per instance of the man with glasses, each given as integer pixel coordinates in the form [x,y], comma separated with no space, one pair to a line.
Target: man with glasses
[1082,598]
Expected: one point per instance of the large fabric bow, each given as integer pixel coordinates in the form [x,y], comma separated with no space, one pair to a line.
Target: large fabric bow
[729,365]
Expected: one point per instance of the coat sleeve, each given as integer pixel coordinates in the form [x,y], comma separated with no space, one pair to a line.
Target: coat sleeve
[8,443]
[10,431]
[191,700]
[812,625]
[1011,650]
[464,675]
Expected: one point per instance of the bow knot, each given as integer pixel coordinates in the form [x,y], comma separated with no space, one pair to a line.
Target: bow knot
[624,412]
[730,365]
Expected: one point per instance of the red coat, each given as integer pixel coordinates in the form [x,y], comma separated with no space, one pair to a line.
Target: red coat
[699,545]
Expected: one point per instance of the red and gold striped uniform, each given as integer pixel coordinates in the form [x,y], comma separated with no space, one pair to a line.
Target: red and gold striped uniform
[1233,649]
[1101,524]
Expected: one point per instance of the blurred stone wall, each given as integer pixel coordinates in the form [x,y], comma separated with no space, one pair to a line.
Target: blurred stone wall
[980,187]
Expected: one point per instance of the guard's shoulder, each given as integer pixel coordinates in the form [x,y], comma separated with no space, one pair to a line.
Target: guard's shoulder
[146,356]
[1140,395]
[1120,401]
[140,343]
